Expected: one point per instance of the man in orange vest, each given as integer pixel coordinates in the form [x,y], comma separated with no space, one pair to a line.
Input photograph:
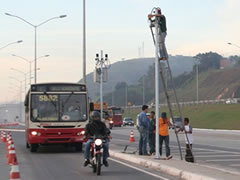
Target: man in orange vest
[164,124]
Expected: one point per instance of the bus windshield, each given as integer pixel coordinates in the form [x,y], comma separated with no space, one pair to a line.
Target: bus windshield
[58,107]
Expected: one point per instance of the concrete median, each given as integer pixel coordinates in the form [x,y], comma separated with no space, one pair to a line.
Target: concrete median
[177,168]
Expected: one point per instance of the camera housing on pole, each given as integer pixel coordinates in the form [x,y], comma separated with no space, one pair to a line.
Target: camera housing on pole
[100,74]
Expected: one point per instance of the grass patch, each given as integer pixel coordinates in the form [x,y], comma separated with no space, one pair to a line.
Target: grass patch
[216,116]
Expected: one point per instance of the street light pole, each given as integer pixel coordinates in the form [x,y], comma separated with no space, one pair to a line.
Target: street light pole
[231,44]
[84,41]
[157,87]
[101,65]
[30,64]
[25,78]
[197,83]
[20,41]
[126,96]
[35,37]
[20,97]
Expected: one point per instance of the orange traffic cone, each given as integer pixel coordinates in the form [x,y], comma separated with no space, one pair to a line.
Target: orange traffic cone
[132,139]
[4,137]
[12,157]
[14,173]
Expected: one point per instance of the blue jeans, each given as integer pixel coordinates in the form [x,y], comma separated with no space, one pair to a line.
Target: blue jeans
[166,140]
[143,140]
[88,147]
[152,142]
[163,49]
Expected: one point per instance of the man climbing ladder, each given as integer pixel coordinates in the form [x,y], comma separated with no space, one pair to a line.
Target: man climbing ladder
[158,16]
[158,23]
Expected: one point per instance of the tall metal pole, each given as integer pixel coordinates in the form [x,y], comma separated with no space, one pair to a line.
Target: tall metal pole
[101,85]
[157,89]
[20,103]
[126,96]
[197,82]
[84,42]
[143,89]
[30,73]
[25,82]
[35,54]
[112,96]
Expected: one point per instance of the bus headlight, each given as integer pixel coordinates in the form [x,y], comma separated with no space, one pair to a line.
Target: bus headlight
[98,142]
[34,133]
[111,122]
[81,133]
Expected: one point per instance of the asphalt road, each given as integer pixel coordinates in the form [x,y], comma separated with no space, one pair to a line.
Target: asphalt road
[59,163]
[220,149]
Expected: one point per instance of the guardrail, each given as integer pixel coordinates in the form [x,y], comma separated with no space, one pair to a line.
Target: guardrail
[191,103]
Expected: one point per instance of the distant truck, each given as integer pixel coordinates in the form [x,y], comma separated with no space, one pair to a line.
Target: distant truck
[116,114]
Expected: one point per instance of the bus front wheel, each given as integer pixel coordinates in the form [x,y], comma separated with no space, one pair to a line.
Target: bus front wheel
[78,147]
[33,147]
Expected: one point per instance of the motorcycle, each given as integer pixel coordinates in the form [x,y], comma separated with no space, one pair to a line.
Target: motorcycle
[96,154]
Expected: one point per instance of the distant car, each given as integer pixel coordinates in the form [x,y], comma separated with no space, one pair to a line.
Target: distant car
[127,121]
[178,122]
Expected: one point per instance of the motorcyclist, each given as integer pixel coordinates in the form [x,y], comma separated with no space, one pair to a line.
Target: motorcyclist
[96,128]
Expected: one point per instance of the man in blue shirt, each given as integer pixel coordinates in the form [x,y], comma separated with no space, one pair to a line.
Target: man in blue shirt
[143,130]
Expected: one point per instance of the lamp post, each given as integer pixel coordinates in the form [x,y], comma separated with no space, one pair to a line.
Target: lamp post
[20,41]
[231,44]
[197,78]
[35,36]
[102,63]
[25,78]
[30,64]
[20,96]
[84,41]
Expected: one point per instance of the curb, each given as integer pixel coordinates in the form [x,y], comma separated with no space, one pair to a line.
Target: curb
[183,174]
[217,130]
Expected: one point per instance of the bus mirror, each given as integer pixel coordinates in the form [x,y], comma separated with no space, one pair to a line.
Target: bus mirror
[35,113]
[91,106]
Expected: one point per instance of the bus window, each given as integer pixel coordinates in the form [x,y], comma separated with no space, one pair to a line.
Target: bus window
[62,107]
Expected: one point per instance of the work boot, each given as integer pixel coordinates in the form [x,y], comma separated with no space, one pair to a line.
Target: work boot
[87,162]
[105,163]
[169,157]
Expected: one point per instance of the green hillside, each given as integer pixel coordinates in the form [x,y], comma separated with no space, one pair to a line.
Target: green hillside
[213,84]
[217,116]
[130,71]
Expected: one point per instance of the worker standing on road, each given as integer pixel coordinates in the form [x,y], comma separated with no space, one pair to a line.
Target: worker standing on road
[162,32]
[143,130]
[164,123]
[152,131]
[188,139]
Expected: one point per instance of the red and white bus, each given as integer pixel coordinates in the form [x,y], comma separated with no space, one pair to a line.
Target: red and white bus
[116,114]
[56,113]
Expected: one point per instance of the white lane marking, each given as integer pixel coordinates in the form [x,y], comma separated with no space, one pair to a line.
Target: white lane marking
[209,156]
[13,130]
[205,153]
[211,150]
[183,147]
[235,165]
[222,160]
[138,169]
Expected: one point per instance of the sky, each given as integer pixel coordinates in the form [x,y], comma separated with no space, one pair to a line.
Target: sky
[119,28]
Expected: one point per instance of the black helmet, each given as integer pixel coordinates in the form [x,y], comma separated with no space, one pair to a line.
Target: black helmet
[95,115]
